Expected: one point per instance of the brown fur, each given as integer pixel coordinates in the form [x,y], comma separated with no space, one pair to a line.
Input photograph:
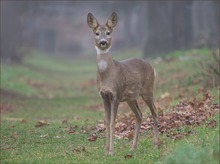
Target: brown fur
[122,81]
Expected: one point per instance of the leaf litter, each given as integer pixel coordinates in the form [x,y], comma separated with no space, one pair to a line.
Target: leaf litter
[187,113]
[173,124]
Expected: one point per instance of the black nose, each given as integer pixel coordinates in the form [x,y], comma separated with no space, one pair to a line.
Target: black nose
[103,42]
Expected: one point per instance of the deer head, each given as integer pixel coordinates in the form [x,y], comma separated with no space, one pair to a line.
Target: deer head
[102,32]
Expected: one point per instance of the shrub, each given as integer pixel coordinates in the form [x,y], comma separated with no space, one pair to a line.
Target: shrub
[187,153]
[211,70]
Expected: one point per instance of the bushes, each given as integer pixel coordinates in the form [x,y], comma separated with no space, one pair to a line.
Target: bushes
[202,147]
[211,70]
[188,153]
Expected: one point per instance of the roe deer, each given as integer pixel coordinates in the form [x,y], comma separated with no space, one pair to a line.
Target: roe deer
[119,81]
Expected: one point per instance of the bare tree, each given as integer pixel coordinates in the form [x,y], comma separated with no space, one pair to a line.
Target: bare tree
[11,12]
[175,25]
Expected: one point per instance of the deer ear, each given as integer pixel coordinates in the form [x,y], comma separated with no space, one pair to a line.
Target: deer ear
[91,21]
[112,21]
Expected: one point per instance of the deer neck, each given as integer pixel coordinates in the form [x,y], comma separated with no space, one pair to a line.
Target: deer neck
[104,60]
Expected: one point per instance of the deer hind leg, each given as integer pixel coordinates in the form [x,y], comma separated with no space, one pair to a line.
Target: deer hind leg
[150,103]
[134,107]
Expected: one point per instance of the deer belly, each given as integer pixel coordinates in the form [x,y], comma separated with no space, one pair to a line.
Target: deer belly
[130,94]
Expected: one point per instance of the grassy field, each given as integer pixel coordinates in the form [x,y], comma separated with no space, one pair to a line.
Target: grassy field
[50,107]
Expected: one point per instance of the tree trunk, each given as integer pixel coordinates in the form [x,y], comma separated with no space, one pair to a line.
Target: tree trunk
[11,30]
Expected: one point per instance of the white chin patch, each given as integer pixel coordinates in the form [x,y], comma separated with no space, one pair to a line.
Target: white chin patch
[100,52]
[103,46]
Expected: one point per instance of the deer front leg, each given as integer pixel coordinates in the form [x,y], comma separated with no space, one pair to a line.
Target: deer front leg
[114,109]
[107,106]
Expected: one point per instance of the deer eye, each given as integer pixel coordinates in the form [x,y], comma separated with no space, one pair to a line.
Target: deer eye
[108,33]
[97,33]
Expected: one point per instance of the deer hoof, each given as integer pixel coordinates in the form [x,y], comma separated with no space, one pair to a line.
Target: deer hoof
[133,148]
[110,153]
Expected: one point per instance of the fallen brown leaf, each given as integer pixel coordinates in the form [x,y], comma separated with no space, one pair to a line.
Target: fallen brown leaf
[23,121]
[80,150]
[71,129]
[65,121]
[128,156]
[92,138]
[41,123]
[212,124]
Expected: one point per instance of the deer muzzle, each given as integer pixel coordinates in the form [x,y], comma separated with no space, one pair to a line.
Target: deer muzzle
[103,43]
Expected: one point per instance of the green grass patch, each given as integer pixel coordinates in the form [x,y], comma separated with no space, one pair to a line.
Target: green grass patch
[52,144]
[201,148]
[57,89]
[15,78]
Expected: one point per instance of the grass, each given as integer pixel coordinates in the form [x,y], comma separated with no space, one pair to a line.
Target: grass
[200,148]
[60,147]
[51,89]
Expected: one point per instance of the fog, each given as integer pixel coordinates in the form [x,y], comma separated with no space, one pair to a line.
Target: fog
[153,27]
